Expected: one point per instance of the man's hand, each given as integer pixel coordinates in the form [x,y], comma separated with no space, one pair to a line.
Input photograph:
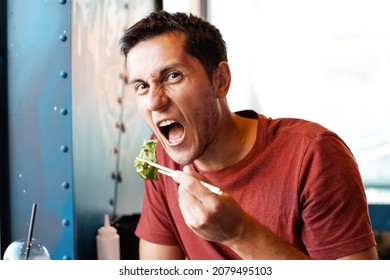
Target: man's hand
[212,216]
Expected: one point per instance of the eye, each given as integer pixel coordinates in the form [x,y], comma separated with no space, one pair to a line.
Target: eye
[140,88]
[174,77]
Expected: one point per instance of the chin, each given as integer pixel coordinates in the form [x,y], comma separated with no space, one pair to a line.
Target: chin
[181,159]
[184,156]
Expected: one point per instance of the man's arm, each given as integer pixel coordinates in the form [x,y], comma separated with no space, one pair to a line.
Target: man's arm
[369,254]
[257,242]
[152,251]
[219,218]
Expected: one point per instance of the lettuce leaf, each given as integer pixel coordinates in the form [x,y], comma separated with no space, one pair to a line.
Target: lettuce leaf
[148,152]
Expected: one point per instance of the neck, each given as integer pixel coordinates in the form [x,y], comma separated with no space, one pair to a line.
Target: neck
[232,143]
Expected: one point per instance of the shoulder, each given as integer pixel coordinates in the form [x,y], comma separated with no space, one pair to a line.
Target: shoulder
[301,135]
[295,126]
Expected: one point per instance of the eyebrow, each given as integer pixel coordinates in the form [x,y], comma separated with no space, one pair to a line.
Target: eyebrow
[133,81]
[162,72]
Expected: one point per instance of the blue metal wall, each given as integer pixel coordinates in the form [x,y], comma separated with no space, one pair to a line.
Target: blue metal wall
[73,131]
[40,123]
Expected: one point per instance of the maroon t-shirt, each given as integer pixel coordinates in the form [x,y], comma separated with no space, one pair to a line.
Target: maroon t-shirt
[300,180]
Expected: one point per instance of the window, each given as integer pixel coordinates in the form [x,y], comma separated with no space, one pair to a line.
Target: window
[326,61]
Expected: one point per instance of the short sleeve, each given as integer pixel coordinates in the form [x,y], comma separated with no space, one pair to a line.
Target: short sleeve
[335,215]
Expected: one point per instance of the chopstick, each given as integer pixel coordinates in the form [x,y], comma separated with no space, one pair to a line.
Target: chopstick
[169,172]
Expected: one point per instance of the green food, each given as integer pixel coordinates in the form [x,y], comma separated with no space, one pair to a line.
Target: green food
[148,152]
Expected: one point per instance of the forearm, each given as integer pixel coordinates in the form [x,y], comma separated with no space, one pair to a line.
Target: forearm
[255,241]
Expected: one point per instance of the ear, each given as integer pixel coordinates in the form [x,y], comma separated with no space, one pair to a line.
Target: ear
[222,79]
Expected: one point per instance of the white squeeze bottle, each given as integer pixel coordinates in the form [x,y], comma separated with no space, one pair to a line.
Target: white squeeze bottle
[107,242]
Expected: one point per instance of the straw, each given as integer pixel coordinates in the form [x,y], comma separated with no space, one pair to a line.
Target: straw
[30,230]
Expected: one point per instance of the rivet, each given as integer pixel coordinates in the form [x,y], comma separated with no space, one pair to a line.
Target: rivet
[65,258]
[63,37]
[63,74]
[65,223]
[65,185]
[62,2]
[64,148]
[64,111]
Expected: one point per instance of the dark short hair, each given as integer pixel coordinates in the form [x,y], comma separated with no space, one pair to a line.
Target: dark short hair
[203,40]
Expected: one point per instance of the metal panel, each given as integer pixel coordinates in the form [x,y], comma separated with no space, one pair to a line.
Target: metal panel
[40,123]
[107,130]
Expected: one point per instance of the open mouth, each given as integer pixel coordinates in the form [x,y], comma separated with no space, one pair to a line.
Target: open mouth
[172,130]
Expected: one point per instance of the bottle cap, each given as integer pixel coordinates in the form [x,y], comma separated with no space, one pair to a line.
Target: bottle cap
[107,229]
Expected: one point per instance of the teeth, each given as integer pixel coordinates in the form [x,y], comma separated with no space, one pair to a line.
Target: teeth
[165,123]
[174,141]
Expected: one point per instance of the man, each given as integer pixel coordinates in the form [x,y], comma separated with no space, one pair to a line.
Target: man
[291,189]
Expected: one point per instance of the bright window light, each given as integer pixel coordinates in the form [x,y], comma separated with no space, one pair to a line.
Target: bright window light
[326,61]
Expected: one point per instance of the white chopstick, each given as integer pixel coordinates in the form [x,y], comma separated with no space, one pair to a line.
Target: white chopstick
[169,172]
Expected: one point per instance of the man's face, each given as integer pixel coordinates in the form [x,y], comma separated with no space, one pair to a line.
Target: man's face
[174,95]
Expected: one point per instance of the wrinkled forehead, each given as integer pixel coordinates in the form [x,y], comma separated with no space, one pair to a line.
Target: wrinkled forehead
[150,56]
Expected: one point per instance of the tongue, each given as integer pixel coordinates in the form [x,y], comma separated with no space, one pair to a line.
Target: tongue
[175,132]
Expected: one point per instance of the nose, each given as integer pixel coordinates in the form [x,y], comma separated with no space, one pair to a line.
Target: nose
[157,98]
